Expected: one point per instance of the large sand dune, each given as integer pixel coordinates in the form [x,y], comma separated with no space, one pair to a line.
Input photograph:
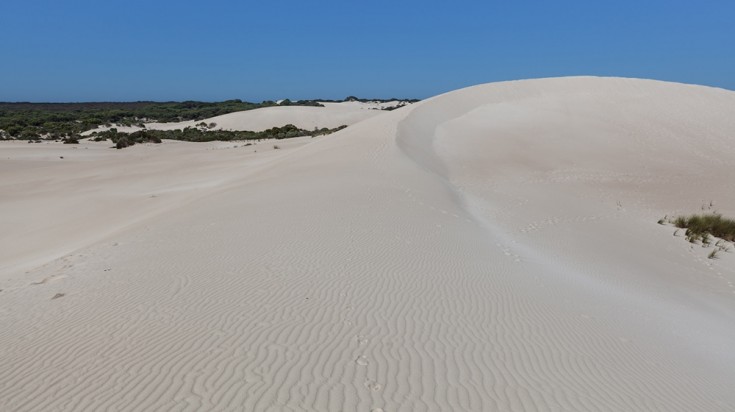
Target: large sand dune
[494,248]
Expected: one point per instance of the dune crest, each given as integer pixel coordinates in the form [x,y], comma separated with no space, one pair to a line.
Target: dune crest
[493,248]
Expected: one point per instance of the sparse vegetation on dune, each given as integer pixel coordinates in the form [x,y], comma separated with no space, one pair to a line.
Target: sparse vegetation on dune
[192,134]
[701,227]
[705,229]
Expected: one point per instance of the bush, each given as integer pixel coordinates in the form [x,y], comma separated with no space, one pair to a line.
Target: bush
[122,143]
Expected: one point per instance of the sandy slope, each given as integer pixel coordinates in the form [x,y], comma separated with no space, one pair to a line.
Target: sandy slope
[495,248]
[305,117]
[57,198]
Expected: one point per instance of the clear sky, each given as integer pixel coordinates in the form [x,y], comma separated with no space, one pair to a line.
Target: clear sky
[111,50]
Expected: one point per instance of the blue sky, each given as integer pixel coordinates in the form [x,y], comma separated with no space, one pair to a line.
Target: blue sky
[110,50]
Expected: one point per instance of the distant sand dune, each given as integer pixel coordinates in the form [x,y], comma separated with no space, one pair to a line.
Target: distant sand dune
[494,248]
[305,117]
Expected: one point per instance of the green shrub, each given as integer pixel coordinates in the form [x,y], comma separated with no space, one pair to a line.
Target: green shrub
[195,134]
[122,143]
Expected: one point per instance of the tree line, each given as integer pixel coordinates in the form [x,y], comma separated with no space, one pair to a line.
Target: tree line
[33,121]
[30,121]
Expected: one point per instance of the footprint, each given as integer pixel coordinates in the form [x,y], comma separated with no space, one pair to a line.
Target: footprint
[362,360]
[49,279]
[373,386]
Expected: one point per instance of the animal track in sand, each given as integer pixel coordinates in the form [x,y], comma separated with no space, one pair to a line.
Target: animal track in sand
[373,386]
[508,252]
[49,279]
[362,360]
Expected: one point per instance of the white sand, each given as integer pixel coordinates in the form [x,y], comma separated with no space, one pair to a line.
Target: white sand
[305,117]
[494,248]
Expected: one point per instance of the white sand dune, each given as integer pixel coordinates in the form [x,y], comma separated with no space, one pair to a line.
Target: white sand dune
[305,117]
[494,248]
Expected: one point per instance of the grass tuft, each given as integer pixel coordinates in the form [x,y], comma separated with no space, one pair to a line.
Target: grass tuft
[700,227]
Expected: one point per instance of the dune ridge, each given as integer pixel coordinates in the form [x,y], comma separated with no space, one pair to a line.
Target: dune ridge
[494,248]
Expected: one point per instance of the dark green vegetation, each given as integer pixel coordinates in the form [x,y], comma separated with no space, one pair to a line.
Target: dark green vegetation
[391,108]
[700,227]
[358,99]
[33,121]
[30,121]
[191,134]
